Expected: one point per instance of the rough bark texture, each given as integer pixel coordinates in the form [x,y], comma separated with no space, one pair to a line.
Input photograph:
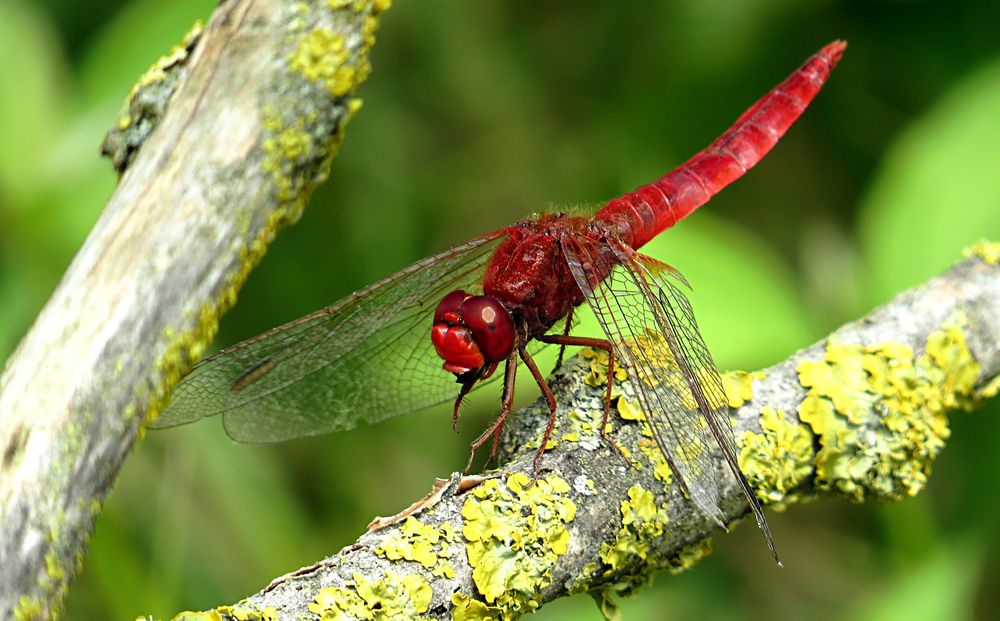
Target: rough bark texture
[257,107]
[860,414]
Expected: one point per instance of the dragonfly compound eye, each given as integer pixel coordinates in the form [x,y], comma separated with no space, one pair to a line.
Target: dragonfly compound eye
[447,308]
[491,326]
[471,331]
[452,339]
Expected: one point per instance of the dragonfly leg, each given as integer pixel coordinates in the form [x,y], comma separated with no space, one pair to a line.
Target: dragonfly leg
[584,341]
[562,348]
[549,398]
[466,387]
[507,402]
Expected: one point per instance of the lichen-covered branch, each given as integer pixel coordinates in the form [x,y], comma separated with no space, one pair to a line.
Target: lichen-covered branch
[861,414]
[221,144]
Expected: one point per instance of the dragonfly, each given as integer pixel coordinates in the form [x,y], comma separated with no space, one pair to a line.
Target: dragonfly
[499,297]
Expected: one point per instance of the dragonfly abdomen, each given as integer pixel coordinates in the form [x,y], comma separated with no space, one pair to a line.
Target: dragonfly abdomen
[651,209]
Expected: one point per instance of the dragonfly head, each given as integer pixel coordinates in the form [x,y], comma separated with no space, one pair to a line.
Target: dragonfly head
[472,333]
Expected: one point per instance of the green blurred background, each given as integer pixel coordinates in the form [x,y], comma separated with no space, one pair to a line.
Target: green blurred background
[478,114]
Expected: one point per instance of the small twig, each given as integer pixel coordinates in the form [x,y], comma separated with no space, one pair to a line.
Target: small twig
[250,129]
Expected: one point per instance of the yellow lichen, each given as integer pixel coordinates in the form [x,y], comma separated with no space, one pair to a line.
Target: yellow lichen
[689,556]
[246,612]
[338,603]
[575,426]
[606,604]
[643,524]
[950,365]
[208,615]
[286,151]
[159,69]
[241,612]
[739,387]
[54,570]
[991,389]
[28,608]
[627,564]
[515,534]
[598,375]
[842,378]
[649,448]
[422,543]
[988,251]
[146,102]
[396,597]
[631,410]
[777,460]
[464,608]
[887,455]
[321,56]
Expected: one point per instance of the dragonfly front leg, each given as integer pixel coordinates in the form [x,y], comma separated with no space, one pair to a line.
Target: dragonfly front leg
[506,402]
[466,387]
[583,341]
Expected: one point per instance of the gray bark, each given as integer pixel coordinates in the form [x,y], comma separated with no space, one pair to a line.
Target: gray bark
[257,109]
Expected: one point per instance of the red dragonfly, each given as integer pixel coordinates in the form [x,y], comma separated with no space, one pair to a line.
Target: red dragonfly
[368,357]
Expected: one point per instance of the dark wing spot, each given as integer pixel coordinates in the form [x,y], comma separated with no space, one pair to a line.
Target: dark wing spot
[252,374]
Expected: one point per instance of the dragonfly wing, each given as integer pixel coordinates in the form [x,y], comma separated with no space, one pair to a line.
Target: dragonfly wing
[366,358]
[651,324]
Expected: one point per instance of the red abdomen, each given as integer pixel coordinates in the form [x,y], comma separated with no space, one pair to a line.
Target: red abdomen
[641,215]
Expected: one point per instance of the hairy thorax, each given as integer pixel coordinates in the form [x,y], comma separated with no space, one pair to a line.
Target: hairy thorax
[529,273]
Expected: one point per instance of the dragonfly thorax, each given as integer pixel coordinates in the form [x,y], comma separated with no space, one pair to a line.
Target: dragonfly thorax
[472,333]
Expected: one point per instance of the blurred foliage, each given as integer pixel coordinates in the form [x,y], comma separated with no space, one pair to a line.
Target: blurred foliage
[476,115]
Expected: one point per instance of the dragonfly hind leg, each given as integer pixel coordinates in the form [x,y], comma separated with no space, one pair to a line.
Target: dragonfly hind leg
[562,347]
[563,340]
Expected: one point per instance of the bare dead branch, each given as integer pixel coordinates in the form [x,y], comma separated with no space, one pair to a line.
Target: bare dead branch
[258,107]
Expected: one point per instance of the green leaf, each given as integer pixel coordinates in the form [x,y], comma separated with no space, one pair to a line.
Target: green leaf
[142,32]
[939,188]
[943,587]
[32,99]
[743,293]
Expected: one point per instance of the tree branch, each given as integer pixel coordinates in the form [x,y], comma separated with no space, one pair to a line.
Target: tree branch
[860,414]
[257,109]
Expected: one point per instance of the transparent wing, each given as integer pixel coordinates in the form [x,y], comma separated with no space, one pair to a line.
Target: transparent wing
[366,358]
[652,327]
